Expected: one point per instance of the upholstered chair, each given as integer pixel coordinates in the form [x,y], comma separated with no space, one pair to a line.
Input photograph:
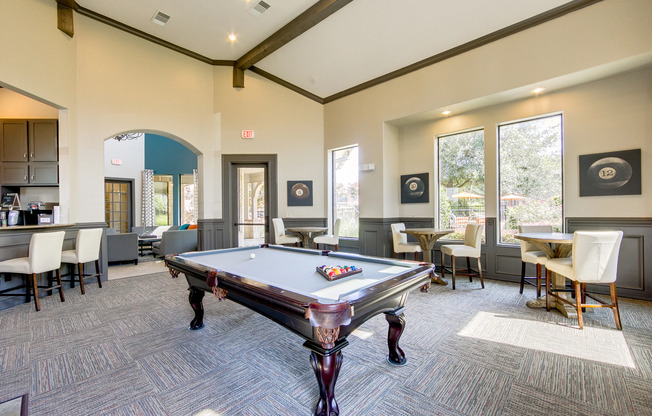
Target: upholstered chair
[531,254]
[87,249]
[594,260]
[330,239]
[44,256]
[470,249]
[279,233]
[401,245]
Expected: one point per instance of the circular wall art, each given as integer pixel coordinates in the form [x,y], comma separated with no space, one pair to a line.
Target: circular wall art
[414,188]
[610,172]
[300,191]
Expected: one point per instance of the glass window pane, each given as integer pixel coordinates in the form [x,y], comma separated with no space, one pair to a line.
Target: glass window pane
[345,190]
[461,181]
[530,172]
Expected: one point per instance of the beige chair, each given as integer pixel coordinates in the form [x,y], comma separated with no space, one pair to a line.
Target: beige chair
[470,248]
[44,256]
[330,239]
[401,244]
[531,254]
[87,249]
[279,233]
[594,260]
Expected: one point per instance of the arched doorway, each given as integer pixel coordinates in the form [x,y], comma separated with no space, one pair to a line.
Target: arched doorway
[162,172]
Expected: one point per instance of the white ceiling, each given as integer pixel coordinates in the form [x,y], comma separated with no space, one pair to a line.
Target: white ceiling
[363,40]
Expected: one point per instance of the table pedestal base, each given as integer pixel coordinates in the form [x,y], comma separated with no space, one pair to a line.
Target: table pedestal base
[566,310]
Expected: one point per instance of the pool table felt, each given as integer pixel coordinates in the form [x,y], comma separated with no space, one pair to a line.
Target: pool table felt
[296,272]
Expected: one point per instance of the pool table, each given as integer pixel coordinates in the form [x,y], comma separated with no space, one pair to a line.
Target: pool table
[282,283]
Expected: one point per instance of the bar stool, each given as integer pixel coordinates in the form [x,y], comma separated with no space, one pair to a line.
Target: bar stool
[400,242]
[44,256]
[87,249]
[471,248]
[531,254]
[329,239]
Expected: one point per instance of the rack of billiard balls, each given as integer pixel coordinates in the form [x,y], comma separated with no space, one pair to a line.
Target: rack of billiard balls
[337,272]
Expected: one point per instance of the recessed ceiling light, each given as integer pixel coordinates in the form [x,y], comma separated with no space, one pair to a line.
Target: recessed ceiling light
[447,112]
[538,90]
[233,37]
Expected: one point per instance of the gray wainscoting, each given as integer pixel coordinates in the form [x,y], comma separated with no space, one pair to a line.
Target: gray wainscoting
[500,261]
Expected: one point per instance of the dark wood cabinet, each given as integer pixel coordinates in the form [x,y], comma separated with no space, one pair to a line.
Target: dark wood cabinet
[29,152]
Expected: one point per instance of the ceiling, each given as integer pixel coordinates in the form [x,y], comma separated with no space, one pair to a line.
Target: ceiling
[334,47]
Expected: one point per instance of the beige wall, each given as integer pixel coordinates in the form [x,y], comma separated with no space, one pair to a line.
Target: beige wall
[104,81]
[597,40]
[608,115]
[284,123]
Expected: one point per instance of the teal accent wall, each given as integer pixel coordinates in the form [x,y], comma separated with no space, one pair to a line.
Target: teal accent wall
[167,157]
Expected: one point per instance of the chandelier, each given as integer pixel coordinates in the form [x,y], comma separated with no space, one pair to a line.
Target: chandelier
[128,136]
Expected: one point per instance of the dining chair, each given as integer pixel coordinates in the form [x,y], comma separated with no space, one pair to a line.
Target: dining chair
[594,260]
[531,254]
[470,249]
[44,256]
[401,245]
[279,233]
[87,249]
[329,239]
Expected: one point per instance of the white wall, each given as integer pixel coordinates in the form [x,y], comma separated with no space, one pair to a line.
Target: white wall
[600,39]
[132,155]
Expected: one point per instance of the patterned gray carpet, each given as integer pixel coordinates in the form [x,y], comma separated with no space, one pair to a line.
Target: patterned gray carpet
[125,350]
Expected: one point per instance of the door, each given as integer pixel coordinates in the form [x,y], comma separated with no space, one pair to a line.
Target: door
[249,198]
[251,206]
[118,205]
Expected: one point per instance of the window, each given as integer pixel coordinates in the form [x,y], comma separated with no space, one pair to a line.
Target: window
[530,171]
[461,181]
[187,199]
[345,190]
[163,200]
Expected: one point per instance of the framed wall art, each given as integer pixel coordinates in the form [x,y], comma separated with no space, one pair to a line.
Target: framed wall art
[414,188]
[299,193]
[611,173]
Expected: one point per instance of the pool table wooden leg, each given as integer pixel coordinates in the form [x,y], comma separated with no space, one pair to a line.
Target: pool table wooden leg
[195,298]
[396,321]
[327,368]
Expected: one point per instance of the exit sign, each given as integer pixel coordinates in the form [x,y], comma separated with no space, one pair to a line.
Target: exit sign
[247,134]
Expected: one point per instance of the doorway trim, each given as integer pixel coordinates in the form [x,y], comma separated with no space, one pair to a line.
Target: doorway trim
[229,163]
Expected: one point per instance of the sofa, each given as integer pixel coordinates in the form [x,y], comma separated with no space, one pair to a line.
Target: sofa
[175,242]
[121,246]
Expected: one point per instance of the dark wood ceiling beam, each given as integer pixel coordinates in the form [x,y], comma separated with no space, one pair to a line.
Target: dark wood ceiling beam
[286,84]
[300,24]
[65,22]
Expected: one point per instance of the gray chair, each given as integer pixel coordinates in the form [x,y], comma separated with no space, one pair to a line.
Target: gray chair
[175,242]
[121,246]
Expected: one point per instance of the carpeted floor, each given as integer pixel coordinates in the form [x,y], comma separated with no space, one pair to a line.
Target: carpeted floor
[125,350]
